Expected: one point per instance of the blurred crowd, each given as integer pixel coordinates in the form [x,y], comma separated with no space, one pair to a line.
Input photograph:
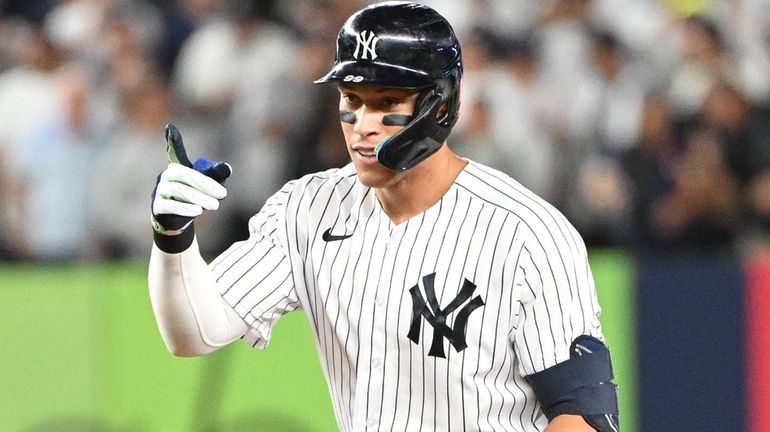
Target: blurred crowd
[647,122]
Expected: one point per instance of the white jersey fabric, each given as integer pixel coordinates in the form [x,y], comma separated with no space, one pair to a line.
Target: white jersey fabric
[488,235]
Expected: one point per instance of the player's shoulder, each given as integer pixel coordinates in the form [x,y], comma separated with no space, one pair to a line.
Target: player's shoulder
[500,190]
[333,178]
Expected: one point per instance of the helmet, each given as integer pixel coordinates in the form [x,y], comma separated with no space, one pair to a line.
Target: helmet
[400,45]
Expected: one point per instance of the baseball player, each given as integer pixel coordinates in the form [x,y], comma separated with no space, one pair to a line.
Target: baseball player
[442,294]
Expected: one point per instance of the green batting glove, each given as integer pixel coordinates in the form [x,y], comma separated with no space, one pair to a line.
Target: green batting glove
[185,189]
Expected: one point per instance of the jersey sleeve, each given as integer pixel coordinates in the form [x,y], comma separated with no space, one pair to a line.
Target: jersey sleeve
[558,299]
[255,275]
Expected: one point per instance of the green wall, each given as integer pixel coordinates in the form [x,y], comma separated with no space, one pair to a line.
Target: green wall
[615,285]
[81,352]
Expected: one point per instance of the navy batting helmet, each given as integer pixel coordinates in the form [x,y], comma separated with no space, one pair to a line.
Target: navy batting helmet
[407,46]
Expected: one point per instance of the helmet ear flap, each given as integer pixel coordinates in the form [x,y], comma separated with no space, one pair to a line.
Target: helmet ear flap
[449,88]
[419,139]
[443,112]
[419,106]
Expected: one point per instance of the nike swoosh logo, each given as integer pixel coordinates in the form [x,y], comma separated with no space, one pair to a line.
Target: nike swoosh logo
[329,237]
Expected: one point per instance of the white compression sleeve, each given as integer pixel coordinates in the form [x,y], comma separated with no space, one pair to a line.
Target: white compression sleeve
[192,316]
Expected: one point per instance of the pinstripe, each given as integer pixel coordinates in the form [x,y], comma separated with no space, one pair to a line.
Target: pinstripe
[291,220]
[515,250]
[244,273]
[371,333]
[387,307]
[227,254]
[547,309]
[300,252]
[363,294]
[358,345]
[398,326]
[324,317]
[507,357]
[524,313]
[536,321]
[313,281]
[539,243]
[441,302]
[486,232]
[497,322]
[255,286]
[478,363]
[277,302]
[472,236]
[412,348]
[232,250]
[337,348]
[334,347]
[424,329]
[554,218]
[569,236]
[475,272]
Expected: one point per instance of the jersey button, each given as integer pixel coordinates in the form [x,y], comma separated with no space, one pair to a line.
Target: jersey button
[376,363]
[379,301]
[371,423]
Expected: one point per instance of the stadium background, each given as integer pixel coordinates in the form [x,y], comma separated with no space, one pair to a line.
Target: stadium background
[645,121]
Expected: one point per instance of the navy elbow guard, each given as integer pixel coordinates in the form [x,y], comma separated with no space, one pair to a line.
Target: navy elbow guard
[581,386]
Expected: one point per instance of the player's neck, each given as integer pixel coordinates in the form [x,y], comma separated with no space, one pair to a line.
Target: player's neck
[421,187]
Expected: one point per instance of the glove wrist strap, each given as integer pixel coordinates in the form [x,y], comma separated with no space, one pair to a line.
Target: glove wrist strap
[175,243]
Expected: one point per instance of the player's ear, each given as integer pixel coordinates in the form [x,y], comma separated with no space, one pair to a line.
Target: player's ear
[442,110]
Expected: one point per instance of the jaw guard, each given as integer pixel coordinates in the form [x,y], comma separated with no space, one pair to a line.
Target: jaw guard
[419,139]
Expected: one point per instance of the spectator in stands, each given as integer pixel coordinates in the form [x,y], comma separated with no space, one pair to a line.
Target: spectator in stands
[685,195]
[743,132]
[235,66]
[56,160]
[29,99]
[145,107]
[603,124]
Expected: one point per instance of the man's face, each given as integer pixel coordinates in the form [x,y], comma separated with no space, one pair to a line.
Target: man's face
[364,130]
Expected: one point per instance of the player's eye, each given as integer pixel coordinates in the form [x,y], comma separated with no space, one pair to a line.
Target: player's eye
[351,99]
[391,102]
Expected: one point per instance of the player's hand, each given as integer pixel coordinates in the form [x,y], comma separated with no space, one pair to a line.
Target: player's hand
[184,189]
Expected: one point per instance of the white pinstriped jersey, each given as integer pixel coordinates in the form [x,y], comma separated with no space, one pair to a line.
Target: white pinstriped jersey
[487,240]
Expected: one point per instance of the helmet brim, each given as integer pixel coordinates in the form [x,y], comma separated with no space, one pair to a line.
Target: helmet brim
[377,74]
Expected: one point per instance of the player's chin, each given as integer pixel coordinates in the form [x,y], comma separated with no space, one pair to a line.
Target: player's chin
[374,175]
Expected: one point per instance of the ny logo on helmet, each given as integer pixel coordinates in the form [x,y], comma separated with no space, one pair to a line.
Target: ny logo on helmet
[366,41]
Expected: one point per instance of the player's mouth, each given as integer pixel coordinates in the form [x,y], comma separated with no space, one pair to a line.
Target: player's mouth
[366,153]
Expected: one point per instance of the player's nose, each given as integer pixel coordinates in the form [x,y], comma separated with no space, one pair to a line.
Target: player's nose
[368,122]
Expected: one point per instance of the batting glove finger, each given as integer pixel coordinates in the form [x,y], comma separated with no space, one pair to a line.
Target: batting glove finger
[190,179]
[169,190]
[175,147]
[185,189]
[165,206]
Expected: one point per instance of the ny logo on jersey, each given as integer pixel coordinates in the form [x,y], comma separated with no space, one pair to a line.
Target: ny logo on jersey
[366,41]
[436,317]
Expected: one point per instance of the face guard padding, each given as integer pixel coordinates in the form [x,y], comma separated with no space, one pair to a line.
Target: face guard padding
[418,140]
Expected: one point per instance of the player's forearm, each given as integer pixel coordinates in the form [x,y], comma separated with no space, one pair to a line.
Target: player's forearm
[569,423]
[192,317]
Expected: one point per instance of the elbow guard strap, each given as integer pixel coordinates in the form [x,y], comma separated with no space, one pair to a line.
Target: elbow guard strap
[581,385]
